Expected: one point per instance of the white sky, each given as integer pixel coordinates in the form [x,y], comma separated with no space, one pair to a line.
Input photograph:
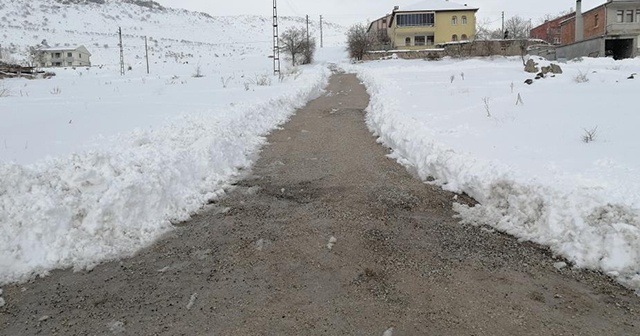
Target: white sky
[352,11]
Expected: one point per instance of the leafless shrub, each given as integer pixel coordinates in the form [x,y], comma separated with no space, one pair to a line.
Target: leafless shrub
[519,101]
[4,91]
[581,77]
[198,73]
[462,75]
[295,44]
[452,78]
[263,80]
[225,81]
[56,90]
[487,107]
[590,135]
[359,41]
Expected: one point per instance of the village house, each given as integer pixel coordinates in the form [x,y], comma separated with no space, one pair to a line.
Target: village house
[64,56]
[426,24]
[549,31]
[611,29]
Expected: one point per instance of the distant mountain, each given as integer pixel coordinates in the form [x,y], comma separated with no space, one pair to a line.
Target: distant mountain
[171,32]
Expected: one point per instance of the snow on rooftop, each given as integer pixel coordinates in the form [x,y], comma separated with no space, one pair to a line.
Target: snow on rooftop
[436,5]
[60,48]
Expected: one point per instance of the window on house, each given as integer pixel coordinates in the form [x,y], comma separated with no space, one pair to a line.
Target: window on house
[407,41]
[79,55]
[464,37]
[431,40]
[69,63]
[53,55]
[58,55]
[596,20]
[426,19]
[454,37]
[630,15]
[620,16]
[420,40]
[69,55]
[637,15]
[454,20]
[464,19]
[556,40]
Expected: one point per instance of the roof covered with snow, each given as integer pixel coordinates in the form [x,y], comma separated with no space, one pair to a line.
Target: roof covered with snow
[436,5]
[61,48]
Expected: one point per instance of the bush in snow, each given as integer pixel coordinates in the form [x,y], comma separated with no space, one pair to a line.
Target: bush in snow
[4,91]
[590,135]
[295,44]
[359,41]
[581,77]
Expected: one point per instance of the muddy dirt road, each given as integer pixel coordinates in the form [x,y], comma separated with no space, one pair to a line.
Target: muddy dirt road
[326,236]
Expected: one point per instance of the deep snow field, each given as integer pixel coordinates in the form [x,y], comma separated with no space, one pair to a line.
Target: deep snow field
[526,164]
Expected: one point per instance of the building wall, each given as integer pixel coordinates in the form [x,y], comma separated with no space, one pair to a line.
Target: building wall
[626,27]
[568,31]
[593,47]
[595,27]
[550,30]
[442,31]
[78,58]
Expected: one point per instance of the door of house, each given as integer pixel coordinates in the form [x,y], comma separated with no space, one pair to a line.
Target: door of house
[619,48]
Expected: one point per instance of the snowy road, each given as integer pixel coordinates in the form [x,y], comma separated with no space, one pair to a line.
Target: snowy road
[327,236]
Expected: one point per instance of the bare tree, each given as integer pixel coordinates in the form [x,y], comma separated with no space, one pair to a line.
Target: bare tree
[484,31]
[295,45]
[36,56]
[518,27]
[359,41]
[309,50]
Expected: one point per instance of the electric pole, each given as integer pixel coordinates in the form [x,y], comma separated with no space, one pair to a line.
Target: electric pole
[503,24]
[121,52]
[276,43]
[321,34]
[146,53]
[307,31]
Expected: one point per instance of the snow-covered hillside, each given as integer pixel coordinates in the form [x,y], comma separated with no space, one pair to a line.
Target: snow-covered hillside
[525,160]
[174,34]
[95,165]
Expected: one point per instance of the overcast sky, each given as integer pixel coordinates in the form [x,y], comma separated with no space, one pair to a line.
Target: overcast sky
[352,11]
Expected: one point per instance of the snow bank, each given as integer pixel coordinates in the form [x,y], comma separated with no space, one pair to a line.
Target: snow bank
[526,165]
[96,206]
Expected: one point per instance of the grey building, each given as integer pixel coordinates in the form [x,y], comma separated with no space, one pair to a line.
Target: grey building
[611,29]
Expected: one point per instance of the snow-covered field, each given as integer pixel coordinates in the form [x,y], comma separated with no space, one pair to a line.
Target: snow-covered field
[94,165]
[526,163]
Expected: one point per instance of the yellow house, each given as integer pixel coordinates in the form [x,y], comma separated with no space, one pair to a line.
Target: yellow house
[431,22]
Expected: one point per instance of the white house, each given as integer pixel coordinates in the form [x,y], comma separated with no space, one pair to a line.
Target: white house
[65,56]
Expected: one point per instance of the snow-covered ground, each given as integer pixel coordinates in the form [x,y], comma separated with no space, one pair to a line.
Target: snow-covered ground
[527,164]
[94,165]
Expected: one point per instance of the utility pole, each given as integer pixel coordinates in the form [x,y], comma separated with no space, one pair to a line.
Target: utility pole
[321,34]
[276,43]
[307,30]
[146,53]
[121,52]
[502,24]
